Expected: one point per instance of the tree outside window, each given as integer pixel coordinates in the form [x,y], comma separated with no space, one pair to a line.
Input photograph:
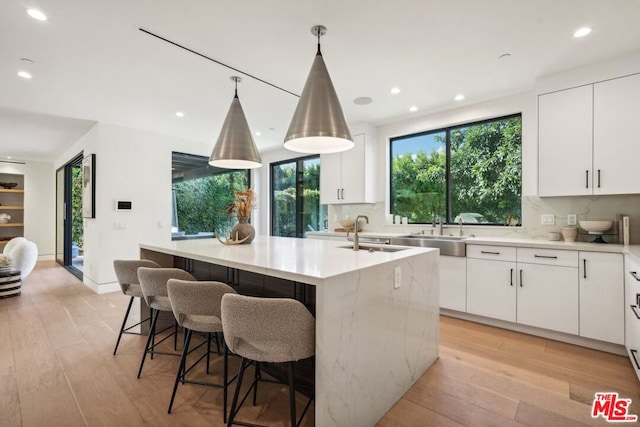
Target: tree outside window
[470,173]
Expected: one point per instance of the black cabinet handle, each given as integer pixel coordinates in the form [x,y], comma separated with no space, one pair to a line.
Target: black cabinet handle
[490,253]
[521,278]
[511,277]
[587,179]
[584,268]
[634,308]
[338,193]
[342,193]
[545,256]
[598,178]
[635,359]
[635,275]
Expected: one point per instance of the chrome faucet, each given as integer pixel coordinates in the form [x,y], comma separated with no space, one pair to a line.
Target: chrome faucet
[460,223]
[356,237]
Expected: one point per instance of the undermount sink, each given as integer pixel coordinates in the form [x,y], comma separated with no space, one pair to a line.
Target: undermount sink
[371,248]
[448,245]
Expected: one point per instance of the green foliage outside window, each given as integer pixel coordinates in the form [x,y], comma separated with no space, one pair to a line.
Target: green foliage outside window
[484,174]
[201,202]
[77,230]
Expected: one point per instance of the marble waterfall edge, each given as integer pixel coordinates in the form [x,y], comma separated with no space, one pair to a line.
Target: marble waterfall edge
[382,339]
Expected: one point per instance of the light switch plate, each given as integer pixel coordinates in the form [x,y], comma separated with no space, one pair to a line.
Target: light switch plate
[548,219]
[571,219]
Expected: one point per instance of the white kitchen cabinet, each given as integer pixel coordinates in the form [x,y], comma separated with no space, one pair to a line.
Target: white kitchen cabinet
[565,140]
[453,283]
[616,104]
[632,313]
[349,177]
[491,282]
[602,296]
[548,297]
[585,139]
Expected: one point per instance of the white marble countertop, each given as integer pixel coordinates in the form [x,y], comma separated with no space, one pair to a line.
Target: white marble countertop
[304,260]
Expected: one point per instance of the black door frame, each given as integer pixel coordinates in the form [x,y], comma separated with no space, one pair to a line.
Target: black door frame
[68,214]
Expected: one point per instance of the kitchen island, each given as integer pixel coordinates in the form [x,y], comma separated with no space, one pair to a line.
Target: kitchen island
[376,314]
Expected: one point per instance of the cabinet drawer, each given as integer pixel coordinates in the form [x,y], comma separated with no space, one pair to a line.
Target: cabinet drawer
[495,253]
[548,257]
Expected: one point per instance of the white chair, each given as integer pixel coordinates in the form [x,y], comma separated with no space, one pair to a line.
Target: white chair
[23,254]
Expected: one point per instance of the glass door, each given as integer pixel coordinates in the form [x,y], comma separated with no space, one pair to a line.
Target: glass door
[295,197]
[69,223]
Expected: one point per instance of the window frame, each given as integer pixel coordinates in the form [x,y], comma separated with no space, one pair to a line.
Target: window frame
[448,130]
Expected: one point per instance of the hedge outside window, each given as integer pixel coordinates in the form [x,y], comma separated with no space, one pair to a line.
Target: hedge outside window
[470,173]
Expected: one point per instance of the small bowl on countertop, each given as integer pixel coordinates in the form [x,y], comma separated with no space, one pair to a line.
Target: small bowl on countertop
[595,227]
[347,223]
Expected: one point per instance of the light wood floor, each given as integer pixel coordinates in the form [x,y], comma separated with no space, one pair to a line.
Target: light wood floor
[57,369]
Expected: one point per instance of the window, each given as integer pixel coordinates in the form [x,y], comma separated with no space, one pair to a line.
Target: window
[470,173]
[201,193]
[295,197]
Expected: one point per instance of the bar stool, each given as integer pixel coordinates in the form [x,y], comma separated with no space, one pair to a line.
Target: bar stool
[153,282]
[196,307]
[275,330]
[127,275]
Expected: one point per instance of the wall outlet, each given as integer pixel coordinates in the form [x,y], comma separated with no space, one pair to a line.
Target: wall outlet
[397,277]
[572,219]
[548,219]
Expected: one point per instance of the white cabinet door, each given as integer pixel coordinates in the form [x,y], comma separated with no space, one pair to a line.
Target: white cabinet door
[353,180]
[548,297]
[616,142]
[491,289]
[565,136]
[330,178]
[602,296]
[453,283]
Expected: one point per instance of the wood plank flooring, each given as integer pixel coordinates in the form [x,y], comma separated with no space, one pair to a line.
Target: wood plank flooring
[57,369]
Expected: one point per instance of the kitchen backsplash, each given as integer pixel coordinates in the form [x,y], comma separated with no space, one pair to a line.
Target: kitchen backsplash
[586,208]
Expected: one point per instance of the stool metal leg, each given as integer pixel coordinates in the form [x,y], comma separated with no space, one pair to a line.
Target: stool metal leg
[292,396]
[257,377]
[150,338]
[208,350]
[183,361]
[236,393]
[124,323]
[225,386]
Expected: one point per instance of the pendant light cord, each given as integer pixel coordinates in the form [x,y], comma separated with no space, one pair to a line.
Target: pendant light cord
[218,62]
[319,35]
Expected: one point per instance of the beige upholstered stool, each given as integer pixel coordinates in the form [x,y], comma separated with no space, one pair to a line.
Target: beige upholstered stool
[273,330]
[153,282]
[127,275]
[196,306]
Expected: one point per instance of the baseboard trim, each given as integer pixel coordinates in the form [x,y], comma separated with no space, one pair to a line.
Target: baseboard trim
[103,288]
[544,333]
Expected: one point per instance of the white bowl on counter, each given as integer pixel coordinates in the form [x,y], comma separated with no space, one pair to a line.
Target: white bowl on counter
[595,227]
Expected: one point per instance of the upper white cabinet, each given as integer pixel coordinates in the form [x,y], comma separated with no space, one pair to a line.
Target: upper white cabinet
[348,177]
[565,139]
[616,143]
[586,139]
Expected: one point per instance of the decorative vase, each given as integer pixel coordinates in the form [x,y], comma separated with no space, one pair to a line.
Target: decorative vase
[243,230]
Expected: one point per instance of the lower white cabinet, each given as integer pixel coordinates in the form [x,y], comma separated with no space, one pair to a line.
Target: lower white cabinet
[632,313]
[548,297]
[602,296]
[453,283]
[491,289]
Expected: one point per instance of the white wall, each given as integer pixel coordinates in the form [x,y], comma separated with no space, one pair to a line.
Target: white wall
[39,203]
[131,165]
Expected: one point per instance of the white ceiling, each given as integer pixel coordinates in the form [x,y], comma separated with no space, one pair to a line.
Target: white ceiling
[92,63]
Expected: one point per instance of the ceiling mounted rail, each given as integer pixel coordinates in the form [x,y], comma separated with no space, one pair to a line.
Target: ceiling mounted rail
[217,62]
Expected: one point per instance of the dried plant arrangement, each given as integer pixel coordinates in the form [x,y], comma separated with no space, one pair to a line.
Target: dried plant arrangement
[242,204]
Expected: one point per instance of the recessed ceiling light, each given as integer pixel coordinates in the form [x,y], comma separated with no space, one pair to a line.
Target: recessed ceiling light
[363,100]
[24,74]
[413,108]
[581,32]
[36,14]
[179,114]
[258,134]
[459,97]
[395,90]
[9,157]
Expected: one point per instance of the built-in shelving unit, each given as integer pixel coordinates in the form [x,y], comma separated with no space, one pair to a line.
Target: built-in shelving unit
[12,203]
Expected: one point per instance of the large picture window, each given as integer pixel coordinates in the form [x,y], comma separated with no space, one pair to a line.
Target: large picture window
[470,173]
[295,197]
[201,194]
